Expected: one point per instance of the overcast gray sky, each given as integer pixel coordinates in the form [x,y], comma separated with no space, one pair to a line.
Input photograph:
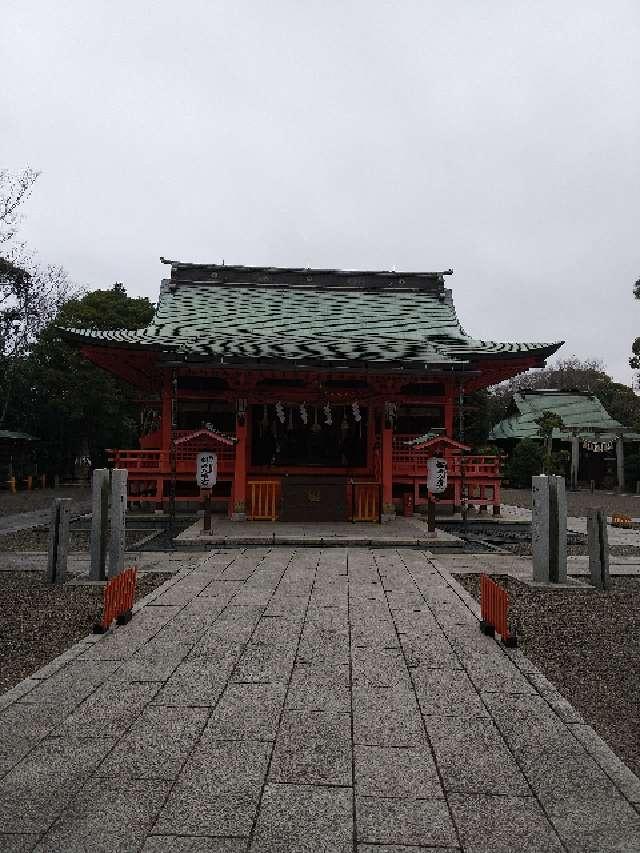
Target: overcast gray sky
[498,138]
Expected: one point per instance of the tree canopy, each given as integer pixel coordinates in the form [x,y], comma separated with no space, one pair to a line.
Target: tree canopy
[74,407]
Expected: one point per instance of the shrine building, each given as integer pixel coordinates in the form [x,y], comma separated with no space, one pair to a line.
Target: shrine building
[323,393]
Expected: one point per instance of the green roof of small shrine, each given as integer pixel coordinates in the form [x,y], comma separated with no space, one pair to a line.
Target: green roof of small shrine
[580,412]
[258,314]
[8,435]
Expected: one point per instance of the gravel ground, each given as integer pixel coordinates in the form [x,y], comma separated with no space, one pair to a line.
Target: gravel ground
[588,644]
[574,549]
[37,539]
[40,621]
[579,503]
[41,499]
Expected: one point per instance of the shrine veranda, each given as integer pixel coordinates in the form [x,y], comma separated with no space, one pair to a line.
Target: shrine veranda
[322,392]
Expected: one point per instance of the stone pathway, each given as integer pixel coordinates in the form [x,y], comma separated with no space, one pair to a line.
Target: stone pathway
[304,700]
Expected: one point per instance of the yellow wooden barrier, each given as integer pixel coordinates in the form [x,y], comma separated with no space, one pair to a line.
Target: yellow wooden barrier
[264,496]
[367,501]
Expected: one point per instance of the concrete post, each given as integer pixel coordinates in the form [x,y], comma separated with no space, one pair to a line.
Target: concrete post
[620,461]
[117,542]
[58,540]
[549,529]
[558,539]
[575,461]
[99,523]
[598,540]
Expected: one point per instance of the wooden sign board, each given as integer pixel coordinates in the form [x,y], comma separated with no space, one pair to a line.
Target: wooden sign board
[207,470]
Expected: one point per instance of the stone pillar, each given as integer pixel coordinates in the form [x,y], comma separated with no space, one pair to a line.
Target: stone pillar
[549,529]
[388,509]
[598,540]
[239,509]
[99,523]
[117,541]
[58,540]
[575,461]
[620,461]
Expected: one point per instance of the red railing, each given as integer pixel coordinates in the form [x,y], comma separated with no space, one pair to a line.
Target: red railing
[159,461]
[119,594]
[494,611]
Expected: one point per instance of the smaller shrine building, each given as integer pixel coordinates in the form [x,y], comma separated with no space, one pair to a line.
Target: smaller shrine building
[322,392]
[594,439]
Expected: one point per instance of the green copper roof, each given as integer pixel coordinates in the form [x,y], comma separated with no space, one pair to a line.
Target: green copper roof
[241,314]
[8,435]
[578,410]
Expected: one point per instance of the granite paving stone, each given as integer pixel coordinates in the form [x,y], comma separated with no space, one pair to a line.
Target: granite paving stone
[489,824]
[181,844]
[265,662]
[403,821]
[228,767]
[593,821]
[313,748]
[155,661]
[403,848]
[106,817]
[197,682]
[472,757]
[34,792]
[446,692]
[304,819]
[429,650]
[71,684]
[376,667]
[386,717]
[17,843]
[157,744]
[110,710]
[248,712]
[195,808]
[382,771]
[21,726]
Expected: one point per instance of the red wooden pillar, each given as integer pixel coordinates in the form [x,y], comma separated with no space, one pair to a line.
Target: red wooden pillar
[165,422]
[448,410]
[166,437]
[239,491]
[388,508]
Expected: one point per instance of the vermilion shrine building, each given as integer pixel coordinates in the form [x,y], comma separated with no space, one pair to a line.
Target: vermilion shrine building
[323,392]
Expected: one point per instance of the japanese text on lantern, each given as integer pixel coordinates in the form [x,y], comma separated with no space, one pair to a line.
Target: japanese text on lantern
[437,476]
[207,470]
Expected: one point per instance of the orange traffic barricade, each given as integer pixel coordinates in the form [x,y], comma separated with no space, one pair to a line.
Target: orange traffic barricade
[119,594]
[494,612]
